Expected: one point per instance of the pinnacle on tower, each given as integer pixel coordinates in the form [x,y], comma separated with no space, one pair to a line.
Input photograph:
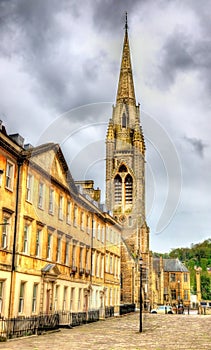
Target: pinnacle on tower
[126,92]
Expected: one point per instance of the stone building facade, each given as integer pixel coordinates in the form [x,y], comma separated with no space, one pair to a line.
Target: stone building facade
[58,250]
[125,181]
[171,282]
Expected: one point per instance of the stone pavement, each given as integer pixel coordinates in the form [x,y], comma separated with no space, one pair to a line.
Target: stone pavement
[159,332]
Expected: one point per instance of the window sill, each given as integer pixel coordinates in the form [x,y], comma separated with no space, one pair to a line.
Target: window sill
[29,201]
[9,189]
[39,207]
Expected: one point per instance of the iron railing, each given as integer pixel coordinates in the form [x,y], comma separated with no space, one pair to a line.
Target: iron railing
[109,311]
[126,308]
[23,326]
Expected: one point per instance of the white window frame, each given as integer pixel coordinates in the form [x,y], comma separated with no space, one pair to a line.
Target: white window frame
[103,234]
[87,224]
[34,297]
[9,175]
[29,187]
[98,232]
[26,237]
[82,221]
[79,298]
[111,297]
[72,299]
[102,267]
[68,219]
[98,264]
[81,255]
[93,264]
[74,255]
[67,249]
[58,249]
[51,201]
[49,245]
[40,195]
[107,262]
[38,241]
[21,297]
[1,295]
[110,264]
[87,259]
[94,229]
[64,306]
[75,215]
[186,294]
[61,203]
[5,232]
[56,298]
[185,277]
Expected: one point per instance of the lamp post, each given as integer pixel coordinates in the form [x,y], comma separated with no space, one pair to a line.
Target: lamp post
[179,306]
[140,265]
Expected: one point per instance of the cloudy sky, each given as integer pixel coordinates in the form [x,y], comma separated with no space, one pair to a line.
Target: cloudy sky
[59,68]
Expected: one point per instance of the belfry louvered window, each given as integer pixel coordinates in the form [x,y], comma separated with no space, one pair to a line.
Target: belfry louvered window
[118,189]
[124,121]
[128,189]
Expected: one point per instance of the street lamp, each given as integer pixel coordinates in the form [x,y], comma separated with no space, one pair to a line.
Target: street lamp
[179,306]
[140,265]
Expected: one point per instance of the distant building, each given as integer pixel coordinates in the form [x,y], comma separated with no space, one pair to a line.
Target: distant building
[172,282]
[176,282]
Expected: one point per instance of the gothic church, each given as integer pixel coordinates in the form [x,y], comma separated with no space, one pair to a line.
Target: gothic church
[125,181]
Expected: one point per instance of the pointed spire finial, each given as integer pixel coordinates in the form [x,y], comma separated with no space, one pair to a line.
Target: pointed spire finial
[125,91]
[126,25]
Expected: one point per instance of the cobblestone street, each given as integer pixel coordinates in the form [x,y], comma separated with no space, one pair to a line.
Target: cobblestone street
[159,332]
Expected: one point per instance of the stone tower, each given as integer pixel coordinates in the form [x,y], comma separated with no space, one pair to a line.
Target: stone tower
[125,178]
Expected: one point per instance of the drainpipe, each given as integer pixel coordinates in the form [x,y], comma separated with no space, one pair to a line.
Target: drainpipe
[91,261]
[19,163]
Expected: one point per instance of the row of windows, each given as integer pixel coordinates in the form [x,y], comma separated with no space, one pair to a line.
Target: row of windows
[59,249]
[58,204]
[112,265]
[64,298]
[175,295]
[98,232]
[174,277]
[73,215]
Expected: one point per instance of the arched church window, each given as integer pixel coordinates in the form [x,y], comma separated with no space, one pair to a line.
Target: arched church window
[124,121]
[122,169]
[118,189]
[128,189]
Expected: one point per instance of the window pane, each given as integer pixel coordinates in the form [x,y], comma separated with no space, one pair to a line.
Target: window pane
[128,189]
[118,189]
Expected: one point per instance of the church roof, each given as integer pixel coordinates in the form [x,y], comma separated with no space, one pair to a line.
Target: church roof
[126,92]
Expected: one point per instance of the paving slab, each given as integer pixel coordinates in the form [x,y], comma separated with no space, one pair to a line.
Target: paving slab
[170,332]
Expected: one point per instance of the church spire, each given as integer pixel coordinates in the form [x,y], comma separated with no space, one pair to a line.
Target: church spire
[126,92]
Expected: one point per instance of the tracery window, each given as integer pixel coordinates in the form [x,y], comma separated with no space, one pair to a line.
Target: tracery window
[123,186]
[118,189]
[128,189]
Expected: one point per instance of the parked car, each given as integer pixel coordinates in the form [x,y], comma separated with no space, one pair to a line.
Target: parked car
[163,309]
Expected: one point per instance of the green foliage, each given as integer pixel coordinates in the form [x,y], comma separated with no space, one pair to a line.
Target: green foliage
[197,255]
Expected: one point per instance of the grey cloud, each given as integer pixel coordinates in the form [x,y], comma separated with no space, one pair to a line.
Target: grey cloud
[32,34]
[198,145]
[185,52]
[110,15]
